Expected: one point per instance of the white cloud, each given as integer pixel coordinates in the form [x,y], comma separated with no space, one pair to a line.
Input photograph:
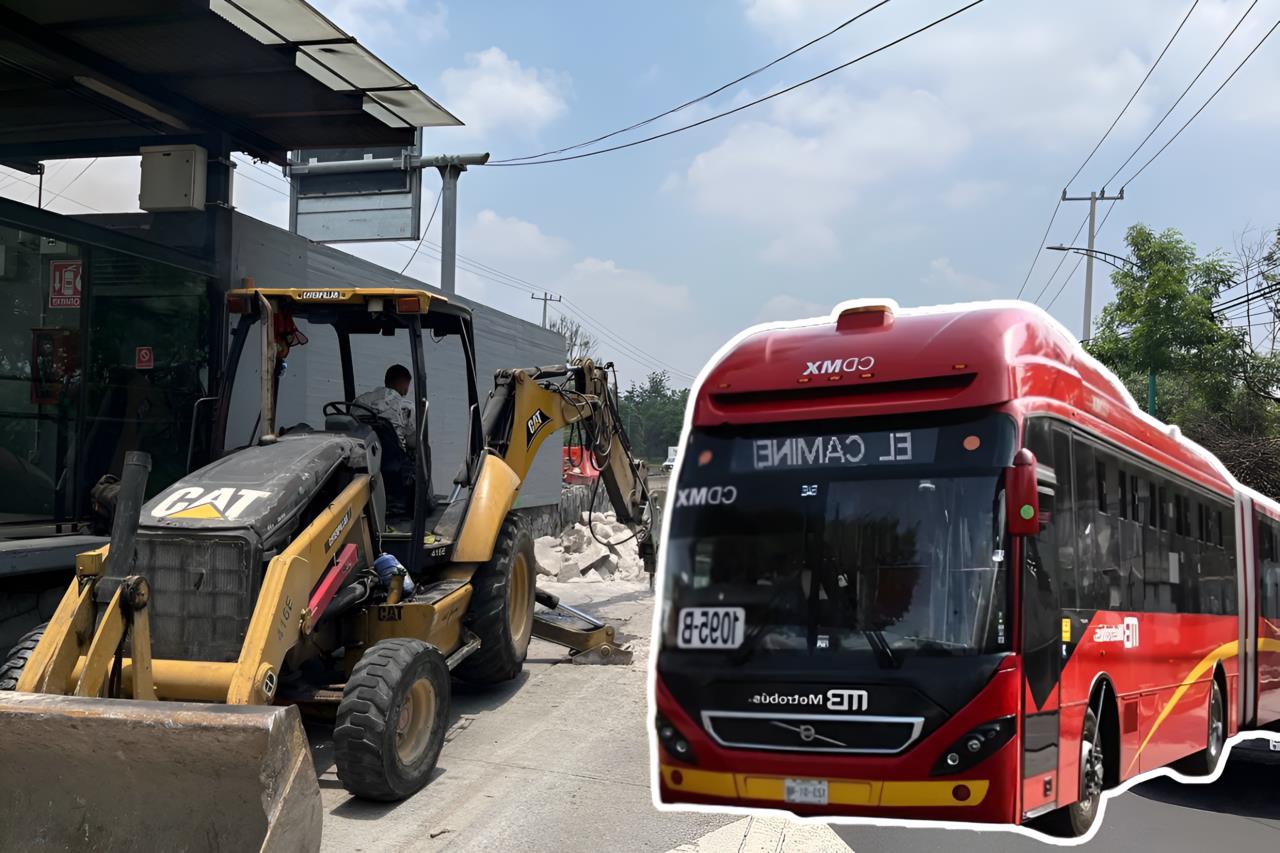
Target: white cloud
[956,285]
[1040,72]
[793,16]
[784,306]
[614,286]
[966,194]
[388,20]
[635,307]
[509,237]
[793,175]
[494,92]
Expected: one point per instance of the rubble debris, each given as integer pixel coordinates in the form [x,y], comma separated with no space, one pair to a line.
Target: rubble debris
[605,551]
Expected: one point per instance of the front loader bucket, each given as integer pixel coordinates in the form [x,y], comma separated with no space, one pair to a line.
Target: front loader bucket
[119,774]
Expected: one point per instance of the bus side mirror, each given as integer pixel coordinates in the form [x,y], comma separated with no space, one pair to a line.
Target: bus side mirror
[1022,496]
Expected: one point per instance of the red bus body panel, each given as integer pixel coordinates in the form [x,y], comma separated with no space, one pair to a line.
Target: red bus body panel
[1011,356]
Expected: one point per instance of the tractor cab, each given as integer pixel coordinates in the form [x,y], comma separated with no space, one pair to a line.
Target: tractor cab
[406,506]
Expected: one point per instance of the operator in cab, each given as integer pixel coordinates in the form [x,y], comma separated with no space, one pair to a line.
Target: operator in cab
[391,401]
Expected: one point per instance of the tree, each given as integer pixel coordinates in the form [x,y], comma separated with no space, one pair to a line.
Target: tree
[579,343]
[653,414]
[1161,333]
[1162,320]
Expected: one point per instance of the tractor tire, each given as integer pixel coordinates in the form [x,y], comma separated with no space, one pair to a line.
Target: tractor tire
[501,608]
[18,656]
[391,721]
[1205,762]
[1078,818]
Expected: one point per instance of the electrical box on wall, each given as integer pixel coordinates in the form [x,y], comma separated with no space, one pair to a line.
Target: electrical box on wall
[173,178]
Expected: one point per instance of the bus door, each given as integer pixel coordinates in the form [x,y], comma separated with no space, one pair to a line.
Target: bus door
[1043,560]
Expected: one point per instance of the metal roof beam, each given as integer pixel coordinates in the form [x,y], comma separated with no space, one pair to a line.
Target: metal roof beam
[44,40]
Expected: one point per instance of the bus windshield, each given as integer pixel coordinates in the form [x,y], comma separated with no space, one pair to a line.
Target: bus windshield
[885,539]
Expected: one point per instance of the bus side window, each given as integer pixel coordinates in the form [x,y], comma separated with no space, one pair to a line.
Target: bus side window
[1159,567]
[1086,530]
[1055,545]
[1269,570]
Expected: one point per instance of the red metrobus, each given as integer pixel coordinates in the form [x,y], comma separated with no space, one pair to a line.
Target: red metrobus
[935,564]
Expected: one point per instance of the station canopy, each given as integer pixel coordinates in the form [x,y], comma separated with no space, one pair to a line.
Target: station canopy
[88,78]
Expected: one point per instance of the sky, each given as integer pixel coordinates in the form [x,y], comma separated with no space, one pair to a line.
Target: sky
[926,173]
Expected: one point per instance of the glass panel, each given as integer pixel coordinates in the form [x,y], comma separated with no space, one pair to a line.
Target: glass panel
[40,287]
[845,541]
[148,367]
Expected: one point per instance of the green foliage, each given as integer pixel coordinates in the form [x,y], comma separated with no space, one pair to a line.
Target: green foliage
[1209,380]
[1162,317]
[653,414]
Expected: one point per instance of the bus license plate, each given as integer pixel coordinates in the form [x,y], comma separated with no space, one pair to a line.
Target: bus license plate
[711,627]
[1273,745]
[808,791]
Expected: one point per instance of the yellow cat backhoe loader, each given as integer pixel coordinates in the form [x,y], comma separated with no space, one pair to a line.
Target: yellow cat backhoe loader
[313,568]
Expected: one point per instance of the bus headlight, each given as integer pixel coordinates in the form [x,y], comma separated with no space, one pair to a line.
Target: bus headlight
[676,744]
[976,745]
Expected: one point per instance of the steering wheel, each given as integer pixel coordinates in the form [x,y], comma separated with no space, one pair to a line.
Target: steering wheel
[344,407]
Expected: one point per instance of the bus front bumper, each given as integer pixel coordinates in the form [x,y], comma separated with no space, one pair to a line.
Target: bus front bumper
[959,799]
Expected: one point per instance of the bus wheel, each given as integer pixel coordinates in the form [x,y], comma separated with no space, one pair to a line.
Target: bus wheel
[1076,819]
[1203,763]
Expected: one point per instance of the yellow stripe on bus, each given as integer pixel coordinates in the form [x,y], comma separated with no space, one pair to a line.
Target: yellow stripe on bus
[840,792]
[1226,650]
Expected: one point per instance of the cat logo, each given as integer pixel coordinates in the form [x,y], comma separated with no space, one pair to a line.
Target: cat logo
[226,504]
[534,425]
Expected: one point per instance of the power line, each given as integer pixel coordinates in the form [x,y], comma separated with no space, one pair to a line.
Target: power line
[505,279]
[500,278]
[430,219]
[1249,56]
[1062,260]
[700,98]
[78,176]
[251,179]
[1067,280]
[1039,249]
[34,185]
[1168,112]
[749,104]
[1053,216]
[1129,102]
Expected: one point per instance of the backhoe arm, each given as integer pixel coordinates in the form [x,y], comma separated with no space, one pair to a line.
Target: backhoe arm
[529,404]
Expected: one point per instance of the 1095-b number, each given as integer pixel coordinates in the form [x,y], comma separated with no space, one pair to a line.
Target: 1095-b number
[711,627]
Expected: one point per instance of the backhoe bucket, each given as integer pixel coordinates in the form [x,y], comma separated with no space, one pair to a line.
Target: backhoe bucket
[113,774]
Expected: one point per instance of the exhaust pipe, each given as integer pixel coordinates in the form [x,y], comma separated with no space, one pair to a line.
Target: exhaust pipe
[124,527]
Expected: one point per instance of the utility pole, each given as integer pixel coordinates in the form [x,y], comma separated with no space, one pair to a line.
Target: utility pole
[1093,199]
[545,297]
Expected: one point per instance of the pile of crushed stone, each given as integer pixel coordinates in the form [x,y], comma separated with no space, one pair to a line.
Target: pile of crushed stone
[576,555]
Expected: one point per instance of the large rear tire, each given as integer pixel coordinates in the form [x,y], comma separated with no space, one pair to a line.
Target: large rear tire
[391,720]
[1205,762]
[1078,818]
[16,661]
[501,609]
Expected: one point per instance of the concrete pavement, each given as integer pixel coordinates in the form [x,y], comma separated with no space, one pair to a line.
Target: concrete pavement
[558,760]
[1238,812]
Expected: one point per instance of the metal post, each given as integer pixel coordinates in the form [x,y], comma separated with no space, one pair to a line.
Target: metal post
[449,226]
[1088,269]
[1093,199]
[546,298]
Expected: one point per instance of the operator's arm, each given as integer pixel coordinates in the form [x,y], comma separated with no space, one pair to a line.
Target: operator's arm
[406,426]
